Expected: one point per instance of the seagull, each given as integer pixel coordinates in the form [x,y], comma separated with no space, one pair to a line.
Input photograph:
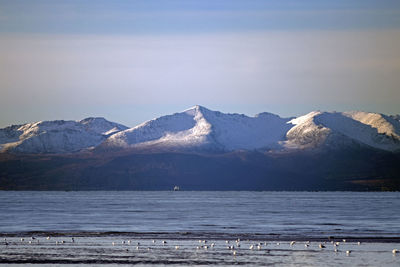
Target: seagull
[48,238]
[395,251]
[73,240]
[234,253]
[359,243]
[321,246]
[176,247]
[348,252]
[292,243]
[164,242]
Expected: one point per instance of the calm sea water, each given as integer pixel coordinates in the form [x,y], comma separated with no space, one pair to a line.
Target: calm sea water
[312,214]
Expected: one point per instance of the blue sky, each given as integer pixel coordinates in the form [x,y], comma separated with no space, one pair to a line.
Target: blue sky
[131,61]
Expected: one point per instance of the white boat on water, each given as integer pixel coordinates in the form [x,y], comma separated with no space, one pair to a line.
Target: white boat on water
[176,188]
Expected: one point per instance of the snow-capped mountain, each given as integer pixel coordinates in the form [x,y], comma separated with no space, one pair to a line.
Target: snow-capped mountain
[199,127]
[102,126]
[338,129]
[57,136]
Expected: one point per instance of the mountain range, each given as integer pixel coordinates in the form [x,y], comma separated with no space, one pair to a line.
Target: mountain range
[201,149]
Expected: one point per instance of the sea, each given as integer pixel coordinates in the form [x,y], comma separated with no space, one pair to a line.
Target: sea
[199,228]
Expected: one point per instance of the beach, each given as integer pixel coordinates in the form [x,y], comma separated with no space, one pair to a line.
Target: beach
[187,249]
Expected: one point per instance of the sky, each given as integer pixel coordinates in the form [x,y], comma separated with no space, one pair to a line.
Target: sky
[131,61]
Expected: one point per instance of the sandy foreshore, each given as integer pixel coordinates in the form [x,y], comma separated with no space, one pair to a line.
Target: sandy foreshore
[186,248]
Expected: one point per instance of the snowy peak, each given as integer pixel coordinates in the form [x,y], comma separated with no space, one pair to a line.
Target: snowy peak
[199,127]
[176,129]
[342,128]
[202,129]
[56,136]
[102,126]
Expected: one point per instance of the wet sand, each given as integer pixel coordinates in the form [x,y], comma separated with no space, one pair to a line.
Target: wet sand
[113,248]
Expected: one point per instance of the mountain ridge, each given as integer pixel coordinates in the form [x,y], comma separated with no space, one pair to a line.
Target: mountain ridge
[201,149]
[204,130]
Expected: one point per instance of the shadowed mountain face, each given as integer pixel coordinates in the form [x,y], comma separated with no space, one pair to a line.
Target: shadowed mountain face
[356,169]
[200,149]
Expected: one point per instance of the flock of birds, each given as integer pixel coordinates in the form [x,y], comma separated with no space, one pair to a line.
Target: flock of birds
[233,246]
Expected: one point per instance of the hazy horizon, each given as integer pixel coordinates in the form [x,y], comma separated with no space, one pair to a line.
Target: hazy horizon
[134,61]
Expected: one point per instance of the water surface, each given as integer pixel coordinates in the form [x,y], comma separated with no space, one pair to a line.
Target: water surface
[311,214]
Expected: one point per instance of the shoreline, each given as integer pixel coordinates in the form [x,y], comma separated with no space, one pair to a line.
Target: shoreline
[186,235]
[153,249]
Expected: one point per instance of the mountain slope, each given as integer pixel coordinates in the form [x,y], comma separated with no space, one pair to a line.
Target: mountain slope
[56,136]
[199,127]
[356,169]
[341,129]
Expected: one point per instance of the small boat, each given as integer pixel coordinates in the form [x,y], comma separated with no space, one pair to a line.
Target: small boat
[176,188]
